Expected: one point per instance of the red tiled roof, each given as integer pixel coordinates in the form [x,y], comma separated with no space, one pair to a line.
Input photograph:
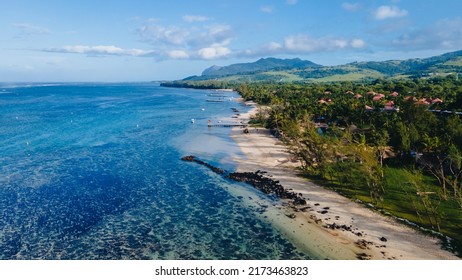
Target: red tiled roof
[422,101]
[378,97]
[390,103]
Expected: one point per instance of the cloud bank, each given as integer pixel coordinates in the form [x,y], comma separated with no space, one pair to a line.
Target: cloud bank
[306,44]
[302,44]
[195,18]
[385,12]
[101,50]
[445,34]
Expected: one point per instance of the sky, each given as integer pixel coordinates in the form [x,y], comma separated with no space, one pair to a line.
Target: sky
[145,40]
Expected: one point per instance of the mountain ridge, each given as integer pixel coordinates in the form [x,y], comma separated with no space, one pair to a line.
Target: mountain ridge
[263,64]
[296,69]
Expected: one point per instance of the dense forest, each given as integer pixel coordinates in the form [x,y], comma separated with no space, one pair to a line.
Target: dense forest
[395,145]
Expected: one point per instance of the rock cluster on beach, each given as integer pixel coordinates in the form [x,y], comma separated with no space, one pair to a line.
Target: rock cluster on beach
[267,185]
[211,167]
[297,203]
[255,179]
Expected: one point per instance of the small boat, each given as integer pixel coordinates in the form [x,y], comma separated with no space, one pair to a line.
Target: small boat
[192,120]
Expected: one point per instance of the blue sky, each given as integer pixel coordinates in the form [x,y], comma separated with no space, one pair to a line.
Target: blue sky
[143,40]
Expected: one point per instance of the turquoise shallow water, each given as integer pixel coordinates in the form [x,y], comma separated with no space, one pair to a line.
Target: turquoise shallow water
[92,171]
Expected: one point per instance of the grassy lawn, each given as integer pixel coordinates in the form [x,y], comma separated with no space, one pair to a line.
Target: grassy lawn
[454,62]
[401,199]
[350,77]
[284,76]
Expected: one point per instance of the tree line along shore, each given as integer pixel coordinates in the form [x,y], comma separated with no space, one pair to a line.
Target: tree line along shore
[395,145]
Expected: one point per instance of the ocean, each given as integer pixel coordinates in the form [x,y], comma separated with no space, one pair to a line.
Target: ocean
[93,171]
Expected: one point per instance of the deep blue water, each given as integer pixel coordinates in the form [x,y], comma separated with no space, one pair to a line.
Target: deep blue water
[92,171]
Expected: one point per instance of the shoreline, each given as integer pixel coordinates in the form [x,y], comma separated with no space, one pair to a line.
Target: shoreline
[329,226]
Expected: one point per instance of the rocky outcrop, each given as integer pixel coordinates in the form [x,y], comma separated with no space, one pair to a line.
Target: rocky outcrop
[267,186]
[211,167]
[256,179]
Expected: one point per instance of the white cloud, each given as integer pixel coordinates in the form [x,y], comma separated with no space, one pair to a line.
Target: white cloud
[303,44]
[267,9]
[214,52]
[212,41]
[306,44]
[384,12]
[195,18]
[358,43]
[191,42]
[217,31]
[164,35]
[291,2]
[274,46]
[178,54]
[442,35]
[351,7]
[101,50]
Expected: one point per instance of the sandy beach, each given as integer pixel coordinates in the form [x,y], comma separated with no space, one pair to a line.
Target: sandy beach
[330,226]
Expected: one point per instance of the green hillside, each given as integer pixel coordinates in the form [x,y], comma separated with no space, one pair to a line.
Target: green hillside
[262,65]
[446,63]
[297,70]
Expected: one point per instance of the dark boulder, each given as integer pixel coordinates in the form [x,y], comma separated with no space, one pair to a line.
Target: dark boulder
[255,179]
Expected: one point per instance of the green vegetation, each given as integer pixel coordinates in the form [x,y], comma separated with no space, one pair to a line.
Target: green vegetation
[379,132]
[262,65]
[411,195]
[350,77]
[455,62]
[273,70]
[397,155]
[385,142]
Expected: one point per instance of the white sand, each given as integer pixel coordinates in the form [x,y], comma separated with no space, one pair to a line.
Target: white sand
[264,152]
